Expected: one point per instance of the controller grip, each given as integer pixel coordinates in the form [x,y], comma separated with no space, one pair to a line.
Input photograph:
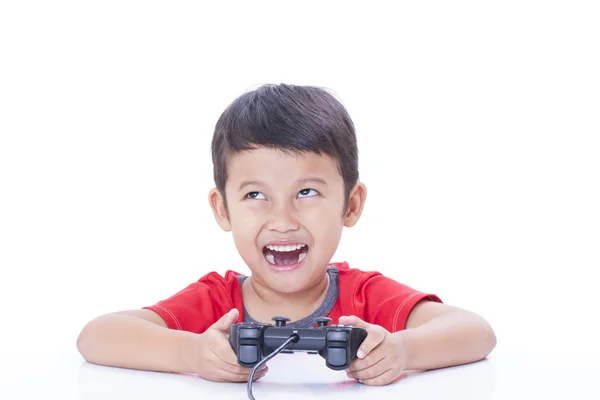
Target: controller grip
[342,347]
[246,341]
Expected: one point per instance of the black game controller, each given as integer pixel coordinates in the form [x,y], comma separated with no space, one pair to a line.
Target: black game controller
[337,344]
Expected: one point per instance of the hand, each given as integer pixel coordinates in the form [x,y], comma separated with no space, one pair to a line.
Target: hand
[213,357]
[381,357]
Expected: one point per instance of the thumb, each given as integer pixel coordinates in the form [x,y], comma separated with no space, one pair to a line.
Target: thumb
[354,321]
[225,322]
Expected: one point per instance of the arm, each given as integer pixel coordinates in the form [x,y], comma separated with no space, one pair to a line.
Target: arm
[140,339]
[137,339]
[438,335]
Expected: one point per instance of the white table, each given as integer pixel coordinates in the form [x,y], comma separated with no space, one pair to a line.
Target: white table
[301,376]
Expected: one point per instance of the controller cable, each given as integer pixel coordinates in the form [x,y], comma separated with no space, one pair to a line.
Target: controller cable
[292,339]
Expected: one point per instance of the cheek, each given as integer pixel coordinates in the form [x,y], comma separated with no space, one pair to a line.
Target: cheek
[325,224]
[245,224]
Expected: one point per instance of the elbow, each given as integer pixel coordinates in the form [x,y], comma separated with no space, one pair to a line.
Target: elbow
[83,342]
[488,339]
[480,337]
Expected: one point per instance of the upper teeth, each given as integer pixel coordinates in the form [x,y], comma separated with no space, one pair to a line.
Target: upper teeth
[286,247]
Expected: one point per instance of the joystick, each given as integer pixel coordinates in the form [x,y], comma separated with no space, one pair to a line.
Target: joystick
[337,344]
[322,321]
[280,321]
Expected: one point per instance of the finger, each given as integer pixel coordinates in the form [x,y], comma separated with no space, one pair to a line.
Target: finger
[225,352]
[230,364]
[375,335]
[234,367]
[225,322]
[373,371]
[354,321]
[373,358]
[261,373]
[224,375]
[385,378]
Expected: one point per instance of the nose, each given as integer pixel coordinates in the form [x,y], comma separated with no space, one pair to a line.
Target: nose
[283,218]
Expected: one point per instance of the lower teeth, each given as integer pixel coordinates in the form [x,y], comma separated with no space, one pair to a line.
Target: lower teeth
[271,258]
[302,256]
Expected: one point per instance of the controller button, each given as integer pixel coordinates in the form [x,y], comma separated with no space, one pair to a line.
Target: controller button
[336,356]
[248,354]
[280,321]
[322,321]
[337,336]
[248,333]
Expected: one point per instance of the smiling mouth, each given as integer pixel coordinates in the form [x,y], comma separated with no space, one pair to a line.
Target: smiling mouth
[283,255]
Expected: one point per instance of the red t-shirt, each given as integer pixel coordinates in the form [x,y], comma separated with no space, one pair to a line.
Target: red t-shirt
[370,296]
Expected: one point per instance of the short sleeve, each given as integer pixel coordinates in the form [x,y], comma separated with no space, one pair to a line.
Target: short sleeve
[201,304]
[386,302]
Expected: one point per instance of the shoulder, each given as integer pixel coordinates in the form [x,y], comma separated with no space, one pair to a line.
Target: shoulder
[201,303]
[349,277]
[363,281]
[217,286]
[356,284]
[212,282]
[376,298]
[216,280]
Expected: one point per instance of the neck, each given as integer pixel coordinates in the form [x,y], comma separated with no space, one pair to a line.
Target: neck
[298,305]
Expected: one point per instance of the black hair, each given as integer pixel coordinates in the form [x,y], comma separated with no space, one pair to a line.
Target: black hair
[289,118]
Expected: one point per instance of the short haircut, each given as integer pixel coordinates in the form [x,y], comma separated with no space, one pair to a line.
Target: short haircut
[290,118]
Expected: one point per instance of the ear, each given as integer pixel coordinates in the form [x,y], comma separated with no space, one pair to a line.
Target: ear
[217,203]
[356,202]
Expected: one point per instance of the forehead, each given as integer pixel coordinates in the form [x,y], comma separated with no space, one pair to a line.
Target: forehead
[276,166]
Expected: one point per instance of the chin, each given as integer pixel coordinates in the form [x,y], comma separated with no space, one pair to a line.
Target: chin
[288,285]
[294,281]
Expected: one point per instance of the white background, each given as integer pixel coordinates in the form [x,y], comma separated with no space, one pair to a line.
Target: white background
[478,127]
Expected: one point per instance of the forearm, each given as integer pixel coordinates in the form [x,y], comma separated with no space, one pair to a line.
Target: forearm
[450,339]
[131,342]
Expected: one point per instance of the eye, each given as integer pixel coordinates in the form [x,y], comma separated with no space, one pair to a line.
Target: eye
[307,193]
[255,195]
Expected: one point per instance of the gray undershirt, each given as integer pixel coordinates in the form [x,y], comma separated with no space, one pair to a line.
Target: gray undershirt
[324,309]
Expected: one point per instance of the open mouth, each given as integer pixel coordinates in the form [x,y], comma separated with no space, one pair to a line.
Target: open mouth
[285,255]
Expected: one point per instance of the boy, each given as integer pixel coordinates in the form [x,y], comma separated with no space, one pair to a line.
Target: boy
[286,172]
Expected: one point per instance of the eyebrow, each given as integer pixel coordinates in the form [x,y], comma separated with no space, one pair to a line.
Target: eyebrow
[306,180]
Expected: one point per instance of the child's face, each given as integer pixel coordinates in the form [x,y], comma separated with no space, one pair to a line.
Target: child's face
[293,202]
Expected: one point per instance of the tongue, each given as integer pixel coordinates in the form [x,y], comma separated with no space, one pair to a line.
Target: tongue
[286,257]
